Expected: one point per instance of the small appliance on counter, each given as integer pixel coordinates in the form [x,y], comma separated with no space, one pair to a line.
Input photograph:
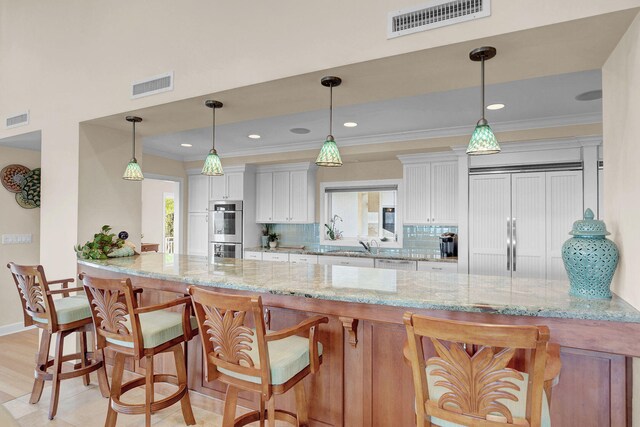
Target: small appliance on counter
[448,245]
[225,229]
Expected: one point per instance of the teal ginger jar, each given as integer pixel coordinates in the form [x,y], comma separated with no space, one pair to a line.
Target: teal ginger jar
[590,258]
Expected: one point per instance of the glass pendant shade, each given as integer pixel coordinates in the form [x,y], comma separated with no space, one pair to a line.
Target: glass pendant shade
[483,141]
[329,155]
[212,165]
[133,172]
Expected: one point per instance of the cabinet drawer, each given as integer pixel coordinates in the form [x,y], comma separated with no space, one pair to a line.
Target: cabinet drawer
[268,256]
[252,255]
[303,259]
[343,260]
[438,267]
[396,264]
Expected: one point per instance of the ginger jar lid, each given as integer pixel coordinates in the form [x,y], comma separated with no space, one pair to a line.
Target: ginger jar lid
[589,226]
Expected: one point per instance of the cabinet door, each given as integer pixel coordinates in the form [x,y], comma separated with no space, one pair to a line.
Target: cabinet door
[198,193]
[528,216]
[235,183]
[438,267]
[303,259]
[298,210]
[417,199]
[253,255]
[264,197]
[198,234]
[281,196]
[489,213]
[218,188]
[564,206]
[444,193]
[277,256]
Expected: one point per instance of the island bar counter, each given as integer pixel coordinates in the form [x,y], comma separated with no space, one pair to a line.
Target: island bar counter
[363,380]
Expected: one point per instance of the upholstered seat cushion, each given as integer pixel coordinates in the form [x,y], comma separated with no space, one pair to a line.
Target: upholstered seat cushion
[518,409]
[158,327]
[287,357]
[69,309]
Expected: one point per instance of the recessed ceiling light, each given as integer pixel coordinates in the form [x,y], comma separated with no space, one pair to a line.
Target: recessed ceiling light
[254,136]
[299,131]
[186,145]
[350,124]
[592,95]
[495,107]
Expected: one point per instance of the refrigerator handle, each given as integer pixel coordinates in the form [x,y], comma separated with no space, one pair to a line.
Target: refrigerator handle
[508,244]
[515,244]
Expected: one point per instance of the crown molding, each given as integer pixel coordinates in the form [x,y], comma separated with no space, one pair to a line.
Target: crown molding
[544,144]
[439,156]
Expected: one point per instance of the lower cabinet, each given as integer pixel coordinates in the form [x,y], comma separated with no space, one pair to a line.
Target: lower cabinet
[396,264]
[303,258]
[253,255]
[277,256]
[438,267]
[345,260]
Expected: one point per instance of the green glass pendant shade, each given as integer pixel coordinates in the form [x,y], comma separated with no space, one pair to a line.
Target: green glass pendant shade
[212,165]
[329,155]
[483,141]
[133,172]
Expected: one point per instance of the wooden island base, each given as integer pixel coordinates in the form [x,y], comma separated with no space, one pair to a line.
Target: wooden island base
[364,380]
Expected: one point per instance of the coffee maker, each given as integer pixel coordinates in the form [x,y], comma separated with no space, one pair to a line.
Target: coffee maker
[448,245]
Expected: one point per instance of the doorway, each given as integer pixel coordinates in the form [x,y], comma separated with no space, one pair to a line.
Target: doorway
[161,222]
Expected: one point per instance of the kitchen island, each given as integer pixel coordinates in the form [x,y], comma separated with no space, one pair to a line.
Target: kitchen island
[363,380]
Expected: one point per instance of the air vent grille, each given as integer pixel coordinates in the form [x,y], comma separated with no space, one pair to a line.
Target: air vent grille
[16,120]
[152,86]
[436,14]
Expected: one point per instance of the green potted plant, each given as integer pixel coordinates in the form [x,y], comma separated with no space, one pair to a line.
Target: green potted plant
[265,235]
[273,240]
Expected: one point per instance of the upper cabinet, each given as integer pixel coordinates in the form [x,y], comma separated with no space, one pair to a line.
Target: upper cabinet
[198,193]
[430,190]
[286,193]
[227,187]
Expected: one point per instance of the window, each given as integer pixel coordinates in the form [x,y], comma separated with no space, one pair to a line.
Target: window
[360,211]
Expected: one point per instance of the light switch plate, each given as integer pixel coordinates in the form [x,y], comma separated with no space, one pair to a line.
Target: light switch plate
[16,239]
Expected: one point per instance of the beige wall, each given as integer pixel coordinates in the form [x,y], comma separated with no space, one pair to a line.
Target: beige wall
[103,196]
[16,220]
[621,89]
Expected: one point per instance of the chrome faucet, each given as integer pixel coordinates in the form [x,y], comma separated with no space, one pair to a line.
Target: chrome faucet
[377,246]
[366,246]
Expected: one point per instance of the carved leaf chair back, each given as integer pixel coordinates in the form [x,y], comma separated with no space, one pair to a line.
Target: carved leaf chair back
[477,389]
[113,306]
[226,338]
[33,288]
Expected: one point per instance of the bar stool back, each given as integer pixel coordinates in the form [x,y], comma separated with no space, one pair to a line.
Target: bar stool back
[457,388]
[140,332]
[255,359]
[61,316]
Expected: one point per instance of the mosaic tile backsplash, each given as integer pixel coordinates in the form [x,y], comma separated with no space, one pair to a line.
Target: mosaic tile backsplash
[424,237]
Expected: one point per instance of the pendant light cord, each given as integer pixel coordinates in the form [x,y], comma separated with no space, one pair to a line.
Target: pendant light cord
[134,141]
[331,110]
[482,78]
[213,135]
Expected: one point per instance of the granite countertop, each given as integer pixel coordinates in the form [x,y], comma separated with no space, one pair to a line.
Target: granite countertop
[399,254]
[411,289]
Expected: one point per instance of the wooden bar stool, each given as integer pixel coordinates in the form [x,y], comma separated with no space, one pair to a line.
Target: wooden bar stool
[456,388]
[62,316]
[269,363]
[140,332]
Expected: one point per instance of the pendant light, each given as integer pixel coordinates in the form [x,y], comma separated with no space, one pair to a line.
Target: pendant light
[329,155]
[212,165]
[133,171]
[483,141]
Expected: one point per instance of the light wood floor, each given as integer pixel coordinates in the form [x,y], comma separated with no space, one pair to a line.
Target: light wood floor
[79,406]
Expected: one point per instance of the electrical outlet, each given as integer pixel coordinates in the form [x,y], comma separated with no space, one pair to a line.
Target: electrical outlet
[16,239]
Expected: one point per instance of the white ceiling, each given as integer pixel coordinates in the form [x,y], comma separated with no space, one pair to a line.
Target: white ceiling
[538,102]
[27,141]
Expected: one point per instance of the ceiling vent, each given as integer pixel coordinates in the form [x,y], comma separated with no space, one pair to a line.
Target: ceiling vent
[152,86]
[16,120]
[435,14]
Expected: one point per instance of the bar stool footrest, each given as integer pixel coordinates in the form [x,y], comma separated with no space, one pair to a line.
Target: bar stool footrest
[41,371]
[251,417]
[140,408]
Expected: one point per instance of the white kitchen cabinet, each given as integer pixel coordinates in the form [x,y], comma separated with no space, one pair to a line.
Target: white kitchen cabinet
[197,234]
[430,191]
[303,258]
[528,221]
[395,264]
[198,193]
[438,267]
[227,187]
[253,255]
[343,260]
[600,194]
[285,194]
[275,256]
